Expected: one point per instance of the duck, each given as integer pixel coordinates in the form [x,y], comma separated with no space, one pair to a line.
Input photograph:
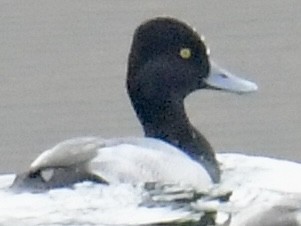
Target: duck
[168,61]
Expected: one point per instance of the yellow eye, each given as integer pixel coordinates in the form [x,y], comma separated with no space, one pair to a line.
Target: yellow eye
[185,53]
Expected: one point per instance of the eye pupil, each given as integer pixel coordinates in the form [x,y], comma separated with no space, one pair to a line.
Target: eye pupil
[185,53]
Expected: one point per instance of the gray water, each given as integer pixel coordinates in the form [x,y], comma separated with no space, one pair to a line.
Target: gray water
[63,69]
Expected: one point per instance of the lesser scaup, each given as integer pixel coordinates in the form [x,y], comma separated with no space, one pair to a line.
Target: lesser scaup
[168,60]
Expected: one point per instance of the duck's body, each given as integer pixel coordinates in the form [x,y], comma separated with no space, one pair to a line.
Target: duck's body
[259,198]
[113,161]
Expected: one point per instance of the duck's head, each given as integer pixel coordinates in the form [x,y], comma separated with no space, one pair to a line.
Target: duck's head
[169,58]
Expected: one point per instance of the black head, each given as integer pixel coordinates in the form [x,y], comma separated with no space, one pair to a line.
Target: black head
[167,57]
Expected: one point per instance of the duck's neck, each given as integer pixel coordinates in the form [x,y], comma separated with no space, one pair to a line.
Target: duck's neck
[167,120]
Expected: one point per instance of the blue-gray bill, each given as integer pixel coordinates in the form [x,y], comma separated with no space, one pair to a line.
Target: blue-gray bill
[221,79]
